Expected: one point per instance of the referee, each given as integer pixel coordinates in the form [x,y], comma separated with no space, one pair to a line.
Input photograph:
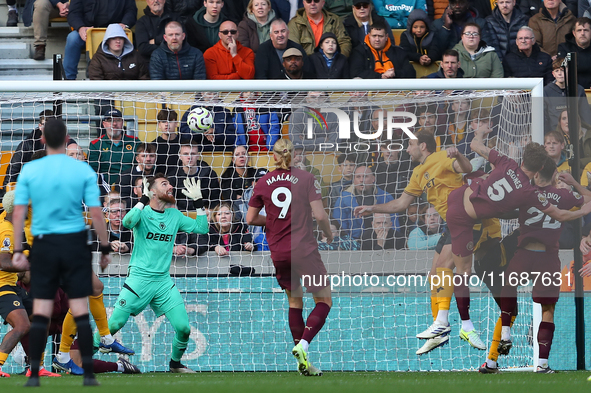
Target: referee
[57,185]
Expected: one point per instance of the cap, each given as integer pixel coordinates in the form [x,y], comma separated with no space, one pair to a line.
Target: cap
[112,113]
[292,52]
[260,173]
[361,1]
[298,147]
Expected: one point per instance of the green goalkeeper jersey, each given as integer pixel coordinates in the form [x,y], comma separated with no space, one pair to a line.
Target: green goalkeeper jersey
[153,236]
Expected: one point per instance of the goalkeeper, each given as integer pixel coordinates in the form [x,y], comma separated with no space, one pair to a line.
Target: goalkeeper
[155,224]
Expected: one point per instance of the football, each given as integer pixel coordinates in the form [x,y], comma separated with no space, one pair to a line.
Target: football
[200,120]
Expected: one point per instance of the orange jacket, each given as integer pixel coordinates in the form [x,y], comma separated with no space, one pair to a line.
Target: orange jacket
[219,63]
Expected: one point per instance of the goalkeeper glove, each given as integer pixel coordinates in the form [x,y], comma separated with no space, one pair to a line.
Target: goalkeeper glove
[146,195]
[193,191]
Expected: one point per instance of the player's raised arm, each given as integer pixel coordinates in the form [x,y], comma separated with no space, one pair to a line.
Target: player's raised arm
[133,216]
[462,163]
[567,215]
[477,143]
[570,180]
[395,206]
[192,191]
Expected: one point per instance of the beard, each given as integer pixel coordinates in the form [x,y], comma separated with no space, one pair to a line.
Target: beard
[168,199]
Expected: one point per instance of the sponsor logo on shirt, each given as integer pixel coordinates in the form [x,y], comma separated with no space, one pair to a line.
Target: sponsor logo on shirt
[5,244]
[160,237]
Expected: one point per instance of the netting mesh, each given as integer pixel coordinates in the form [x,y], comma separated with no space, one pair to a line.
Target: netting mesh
[240,323]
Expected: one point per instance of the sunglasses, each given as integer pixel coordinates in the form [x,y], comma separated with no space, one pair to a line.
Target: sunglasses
[311,1]
[470,34]
[226,32]
[361,5]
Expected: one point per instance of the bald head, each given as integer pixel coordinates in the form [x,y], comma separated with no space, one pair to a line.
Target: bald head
[228,33]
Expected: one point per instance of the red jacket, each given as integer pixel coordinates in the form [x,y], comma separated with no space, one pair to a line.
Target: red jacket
[219,63]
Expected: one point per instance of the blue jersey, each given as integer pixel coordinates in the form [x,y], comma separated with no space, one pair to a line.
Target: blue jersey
[57,185]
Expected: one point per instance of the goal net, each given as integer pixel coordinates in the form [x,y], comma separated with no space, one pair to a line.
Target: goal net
[238,313]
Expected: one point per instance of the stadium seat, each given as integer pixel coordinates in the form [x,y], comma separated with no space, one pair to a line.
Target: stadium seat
[4,161]
[95,37]
[424,70]
[141,5]
[397,33]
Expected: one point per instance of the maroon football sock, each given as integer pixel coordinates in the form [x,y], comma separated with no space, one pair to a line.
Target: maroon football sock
[545,336]
[508,304]
[296,324]
[315,321]
[104,367]
[462,293]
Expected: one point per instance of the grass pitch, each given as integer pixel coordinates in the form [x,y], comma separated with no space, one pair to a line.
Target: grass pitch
[333,382]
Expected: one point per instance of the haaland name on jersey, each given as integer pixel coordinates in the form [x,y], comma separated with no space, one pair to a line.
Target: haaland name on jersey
[283,176]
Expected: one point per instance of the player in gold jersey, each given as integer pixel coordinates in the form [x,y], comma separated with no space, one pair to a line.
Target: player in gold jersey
[14,300]
[437,175]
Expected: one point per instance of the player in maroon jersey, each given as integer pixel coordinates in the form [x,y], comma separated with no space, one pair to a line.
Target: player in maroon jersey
[506,188]
[290,196]
[537,259]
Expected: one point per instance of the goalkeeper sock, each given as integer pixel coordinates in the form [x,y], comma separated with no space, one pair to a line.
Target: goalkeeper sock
[69,329]
[315,321]
[85,344]
[97,309]
[462,293]
[178,348]
[545,336]
[296,324]
[37,340]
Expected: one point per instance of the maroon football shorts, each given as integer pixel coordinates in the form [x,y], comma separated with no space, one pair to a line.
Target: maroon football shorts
[460,224]
[290,269]
[537,265]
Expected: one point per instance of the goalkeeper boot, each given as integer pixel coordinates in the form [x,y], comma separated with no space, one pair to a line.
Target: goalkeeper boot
[128,368]
[472,338]
[435,330]
[314,371]
[433,343]
[178,368]
[115,347]
[42,373]
[484,369]
[69,367]
[302,358]
[504,347]
[545,370]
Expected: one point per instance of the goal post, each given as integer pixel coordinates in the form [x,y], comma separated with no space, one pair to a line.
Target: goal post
[372,325]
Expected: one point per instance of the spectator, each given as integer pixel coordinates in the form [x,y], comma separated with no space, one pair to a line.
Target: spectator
[255,27]
[323,132]
[328,61]
[228,59]
[112,153]
[145,157]
[530,7]
[479,118]
[259,237]
[222,136]
[44,10]
[193,167]
[382,235]
[457,125]
[426,235]
[551,25]
[116,59]
[363,191]
[12,17]
[119,236]
[478,59]
[427,120]
[24,151]
[75,151]
[502,26]
[357,23]
[450,66]
[268,62]
[185,244]
[448,29]
[555,99]
[554,145]
[339,242]
[293,66]
[203,27]
[300,161]
[419,40]
[359,102]
[392,173]
[257,128]
[174,59]
[225,234]
[301,31]
[168,143]
[238,176]
[526,60]
[346,166]
[396,12]
[579,41]
[378,57]
[413,217]
[149,31]
[584,145]
[85,14]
